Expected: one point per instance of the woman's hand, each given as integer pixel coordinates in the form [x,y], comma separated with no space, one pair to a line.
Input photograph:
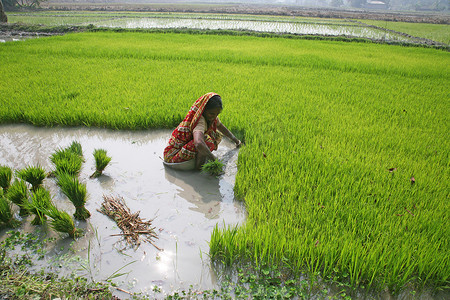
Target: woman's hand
[238,143]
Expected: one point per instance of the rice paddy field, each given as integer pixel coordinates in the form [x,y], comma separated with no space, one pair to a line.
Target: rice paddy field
[435,32]
[345,169]
[396,32]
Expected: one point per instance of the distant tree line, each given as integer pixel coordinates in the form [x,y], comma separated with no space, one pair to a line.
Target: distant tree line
[432,5]
[395,4]
[18,4]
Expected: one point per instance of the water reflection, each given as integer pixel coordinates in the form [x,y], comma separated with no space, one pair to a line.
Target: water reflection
[199,189]
[16,37]
[256,25]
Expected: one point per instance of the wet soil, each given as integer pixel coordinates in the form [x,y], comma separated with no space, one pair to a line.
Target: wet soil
[185,206]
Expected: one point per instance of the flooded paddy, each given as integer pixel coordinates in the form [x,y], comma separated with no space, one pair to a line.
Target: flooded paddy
[185,206]
[269,24]
[303,28]
[17,37]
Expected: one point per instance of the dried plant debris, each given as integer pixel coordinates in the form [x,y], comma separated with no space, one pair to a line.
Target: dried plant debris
[131,224]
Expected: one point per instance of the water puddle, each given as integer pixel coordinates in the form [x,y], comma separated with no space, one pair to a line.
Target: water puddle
[17,37]
[185,206]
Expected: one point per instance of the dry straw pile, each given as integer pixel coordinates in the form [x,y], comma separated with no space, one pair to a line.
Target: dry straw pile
[131,224]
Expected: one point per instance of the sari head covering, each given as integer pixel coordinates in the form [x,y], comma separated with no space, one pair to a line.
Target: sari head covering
[181,143]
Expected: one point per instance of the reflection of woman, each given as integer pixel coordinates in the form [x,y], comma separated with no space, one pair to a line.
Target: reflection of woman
[199,133]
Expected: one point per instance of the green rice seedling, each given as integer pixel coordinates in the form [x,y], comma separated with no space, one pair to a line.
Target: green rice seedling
[18,194]
[76,192]
[214,168]
[76,148]
[6,214]
[101,161]
[5,177]
[67,161]
[39,203]
[34,175]
[62,222]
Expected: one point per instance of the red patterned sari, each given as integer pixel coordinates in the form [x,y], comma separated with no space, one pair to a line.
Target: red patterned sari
[181,144]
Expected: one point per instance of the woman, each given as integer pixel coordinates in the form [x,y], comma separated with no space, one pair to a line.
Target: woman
[199,133]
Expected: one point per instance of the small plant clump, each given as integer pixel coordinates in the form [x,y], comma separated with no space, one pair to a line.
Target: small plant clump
[18,194]
[34,175]
[76,148]
[214,167]
[6,215]
[76,192]
[101,161]
[62,222]
[5,177]
[66,161]
[39,204]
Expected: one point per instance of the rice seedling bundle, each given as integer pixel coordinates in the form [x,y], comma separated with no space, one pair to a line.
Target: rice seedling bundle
[101,161]
[62,222]
[327,173]
[6,214]
[76,148]
[40,202]
[5,177]
[76,192]
[18,194]
[34,175]
[214,168]
[66,161]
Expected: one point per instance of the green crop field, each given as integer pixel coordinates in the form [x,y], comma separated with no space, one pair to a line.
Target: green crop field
[48,17]
[435,32]
[345,172]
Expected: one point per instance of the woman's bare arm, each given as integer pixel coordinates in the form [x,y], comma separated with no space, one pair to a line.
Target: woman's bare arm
[202,148]
[229,134]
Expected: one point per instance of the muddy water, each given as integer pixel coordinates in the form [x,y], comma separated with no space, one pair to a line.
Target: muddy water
[184,205]
[8,37]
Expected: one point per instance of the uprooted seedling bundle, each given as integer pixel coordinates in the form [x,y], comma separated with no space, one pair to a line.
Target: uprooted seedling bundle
[76,193]
[6,214]
[38,201]
[62,222]
[18,194]
[131,224]
[101,161]
[5,177]
[34,175]
[213,167]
